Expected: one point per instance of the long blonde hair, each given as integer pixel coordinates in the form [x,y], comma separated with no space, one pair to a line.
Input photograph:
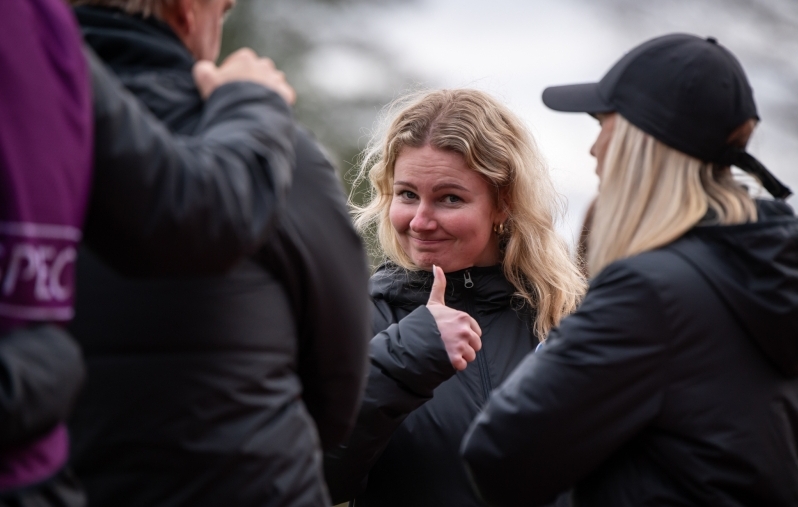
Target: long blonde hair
[651,194]
[495,144]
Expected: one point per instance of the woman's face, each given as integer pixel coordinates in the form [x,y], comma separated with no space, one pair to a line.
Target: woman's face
[442,211]
[599,148]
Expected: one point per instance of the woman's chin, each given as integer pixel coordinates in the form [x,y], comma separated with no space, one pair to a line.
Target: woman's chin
[423,266]
[426,263]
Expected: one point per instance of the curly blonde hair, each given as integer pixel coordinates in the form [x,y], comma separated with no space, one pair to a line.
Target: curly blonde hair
[495,144]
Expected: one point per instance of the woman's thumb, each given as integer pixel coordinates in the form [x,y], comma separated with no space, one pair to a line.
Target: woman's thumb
[438,292]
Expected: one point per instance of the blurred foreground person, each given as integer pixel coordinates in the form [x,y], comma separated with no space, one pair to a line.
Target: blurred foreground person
[46,147]
[45,175]
[463,208]
[205,390]
[676,381]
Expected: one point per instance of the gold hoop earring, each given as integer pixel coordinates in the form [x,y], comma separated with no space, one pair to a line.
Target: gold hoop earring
[498,229]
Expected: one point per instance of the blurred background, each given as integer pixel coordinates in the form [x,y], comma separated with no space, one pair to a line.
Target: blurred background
[348,58]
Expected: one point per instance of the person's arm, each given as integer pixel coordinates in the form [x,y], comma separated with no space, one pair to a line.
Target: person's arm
[41,373]
[408,361]
[322,264]
[596,382]
[164,204]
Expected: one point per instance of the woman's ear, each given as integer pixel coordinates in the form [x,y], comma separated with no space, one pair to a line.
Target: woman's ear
[502,206]
[742,134]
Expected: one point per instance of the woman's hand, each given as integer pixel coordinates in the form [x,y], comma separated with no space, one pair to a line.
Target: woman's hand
[459,331]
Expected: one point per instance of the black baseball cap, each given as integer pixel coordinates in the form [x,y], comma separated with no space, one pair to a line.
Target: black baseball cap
[688,92]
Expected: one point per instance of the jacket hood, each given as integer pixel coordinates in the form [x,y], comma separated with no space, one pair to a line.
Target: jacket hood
[150,60]
[127,41]
[754,269]
[409,289]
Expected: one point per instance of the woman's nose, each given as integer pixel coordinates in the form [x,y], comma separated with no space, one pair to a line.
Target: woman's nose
[424,219]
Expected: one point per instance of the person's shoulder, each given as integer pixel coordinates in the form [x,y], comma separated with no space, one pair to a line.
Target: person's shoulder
[171,95]
[400,287]
[660,260]
[773,208]
[311,155]
[656,270]
[385,281]
[171,84]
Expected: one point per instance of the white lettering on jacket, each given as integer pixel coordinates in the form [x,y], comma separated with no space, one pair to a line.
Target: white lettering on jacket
[40,265]
[37,263]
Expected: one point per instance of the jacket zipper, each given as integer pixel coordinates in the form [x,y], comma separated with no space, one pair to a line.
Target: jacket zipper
[482,363]
[468,282]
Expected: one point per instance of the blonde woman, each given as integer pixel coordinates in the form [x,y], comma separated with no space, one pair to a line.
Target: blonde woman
[676,381]
[460,196]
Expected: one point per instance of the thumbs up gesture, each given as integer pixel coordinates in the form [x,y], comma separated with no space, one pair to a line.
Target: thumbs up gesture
[459,331]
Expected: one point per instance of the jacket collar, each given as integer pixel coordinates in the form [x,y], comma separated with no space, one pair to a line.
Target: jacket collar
[132,42]
[409,289]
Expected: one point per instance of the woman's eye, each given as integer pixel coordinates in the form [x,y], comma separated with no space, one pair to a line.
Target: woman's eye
[451,199]
[407,194]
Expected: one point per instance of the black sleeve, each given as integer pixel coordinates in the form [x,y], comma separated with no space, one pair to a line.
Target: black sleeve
[164,204]
[321,261]
[595,383]
[408,361]
[41,372]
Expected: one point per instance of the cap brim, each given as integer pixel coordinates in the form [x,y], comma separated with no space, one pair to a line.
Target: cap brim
[578,98]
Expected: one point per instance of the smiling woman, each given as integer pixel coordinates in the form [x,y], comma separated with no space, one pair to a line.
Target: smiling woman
[458,187]
[469,138]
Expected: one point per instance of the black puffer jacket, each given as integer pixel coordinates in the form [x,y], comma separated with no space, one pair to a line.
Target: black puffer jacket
[196,385]
[175,204]
[676,382]
[404,448]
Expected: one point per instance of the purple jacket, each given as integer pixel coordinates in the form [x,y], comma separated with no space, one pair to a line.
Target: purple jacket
[46,149]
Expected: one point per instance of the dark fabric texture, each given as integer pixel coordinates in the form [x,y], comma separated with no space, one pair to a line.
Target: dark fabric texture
[41,372]
[204,391]
[673,384]
[416,409]
[63,490]
[320,261]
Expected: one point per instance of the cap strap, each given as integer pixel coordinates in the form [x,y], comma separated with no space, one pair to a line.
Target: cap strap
[749,164]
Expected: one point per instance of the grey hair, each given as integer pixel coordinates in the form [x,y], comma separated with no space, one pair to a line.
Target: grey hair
[145,8]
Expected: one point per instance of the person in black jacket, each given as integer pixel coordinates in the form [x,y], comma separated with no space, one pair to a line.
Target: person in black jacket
[205,390]
[676,381]
[458,190]
[47,118]
[189,204]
